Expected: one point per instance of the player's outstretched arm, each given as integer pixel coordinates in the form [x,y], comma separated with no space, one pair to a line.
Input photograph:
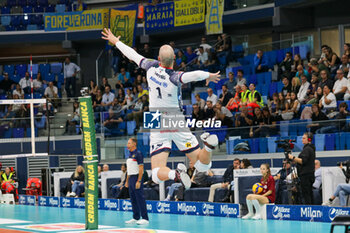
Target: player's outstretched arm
[199,75]
[130,53]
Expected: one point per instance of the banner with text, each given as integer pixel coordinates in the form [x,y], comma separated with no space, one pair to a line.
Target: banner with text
[82,20]
[123,24]
[159,16]
[189,12]
[213,16]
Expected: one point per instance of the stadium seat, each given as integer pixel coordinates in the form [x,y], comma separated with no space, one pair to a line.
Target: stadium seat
[130,126]
[263,145]
[8,133]
[303,51]
[10,28]
[18,132]
[32,3]
[272,89]
[35,68]
[279,86]
[10,69]
[203,95]
[15,78]
[60,8]
[43,3]
[319,142]
[29,132]
[32,27]
[3,3]
[6,20]
[11,3]
[44,70]
[53,2]
[21,69]
[38,9]
[56,68]
[271,144]
[61,78]
[16,10]
[252,79]
[5,10]
[254,147]
[22,3]
[50,8]
[293,128]
[284,128]
[330,141]
[280,55]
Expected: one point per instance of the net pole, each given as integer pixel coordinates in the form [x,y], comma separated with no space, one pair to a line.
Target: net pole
[32,127]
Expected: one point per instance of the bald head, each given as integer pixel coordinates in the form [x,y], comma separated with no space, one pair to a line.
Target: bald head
[166,55]
[317,164]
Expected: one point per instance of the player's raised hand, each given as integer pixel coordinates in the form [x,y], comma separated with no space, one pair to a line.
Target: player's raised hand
[108,35]
[213,77]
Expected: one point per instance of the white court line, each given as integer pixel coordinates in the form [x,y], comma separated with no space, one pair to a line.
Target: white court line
[55,227]
[12,221]
[126,230]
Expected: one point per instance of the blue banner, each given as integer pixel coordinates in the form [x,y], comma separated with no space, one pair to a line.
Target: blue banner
[159,16]
[109,204]
[301,213]
[26,200]
[66,202]
[48,201]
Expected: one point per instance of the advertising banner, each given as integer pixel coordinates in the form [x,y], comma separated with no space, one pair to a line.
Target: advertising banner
[123,22]
[213,16]
[189,12]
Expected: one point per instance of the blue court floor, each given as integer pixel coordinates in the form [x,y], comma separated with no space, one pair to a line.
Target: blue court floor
[168,222]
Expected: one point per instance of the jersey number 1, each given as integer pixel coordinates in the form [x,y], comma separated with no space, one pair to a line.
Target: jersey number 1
[159,93]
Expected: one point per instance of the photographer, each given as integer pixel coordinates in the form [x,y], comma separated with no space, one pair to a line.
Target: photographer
[306,168]
[281,179]
[342,190]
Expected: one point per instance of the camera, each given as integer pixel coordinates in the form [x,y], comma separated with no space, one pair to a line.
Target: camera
[84,91]
[287,145]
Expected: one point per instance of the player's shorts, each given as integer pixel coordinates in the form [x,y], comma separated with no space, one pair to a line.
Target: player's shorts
[162,141]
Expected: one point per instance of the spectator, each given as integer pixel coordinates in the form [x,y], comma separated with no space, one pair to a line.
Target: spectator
[283,104]
[119,191]
[260,62]
[137,114]
[303,90]
[330,60]
[234,103]
[255,99]
[25,83]
[318,175]
[189,54]
[80,6]
[110,123]
[129,97]
[227,42]
[38,84]
[172,44]
[147,52]
[177,184]
[212,97]
[317,96]
[243,120]
[317,115]
[123,79]
[105,168]
[244,96]
[328,100]
[274,104]
[18,91]
[294,105]
[219,44]
[258,121]
[287,87]
[141,91]
[269,126]
[204,44]
[209,110]
[200,101]
[347,94]
[105,84]
[297,61]
[51,93]
[340,124]
[223,114]
[76,183]
[267,195]
[98,102]
[181,59]
[70,72]
[138,80]
[285,67]
[71,124]
[119,99]
[296,84]
[301,71]
[202,59]
[8,178]
[197,113]
[107,99]
[6,85]
[212,61]
[231,83]
[344,66]
[340,86]
[347,49]
[225,96]
[239,79]
[282,178]
[93,90]
[227,177]
[245,164]
[144,83]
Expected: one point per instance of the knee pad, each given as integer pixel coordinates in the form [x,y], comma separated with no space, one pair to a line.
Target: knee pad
[155,178]
[201,167]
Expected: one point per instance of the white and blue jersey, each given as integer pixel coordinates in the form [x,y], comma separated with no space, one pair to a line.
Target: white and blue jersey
[132,163]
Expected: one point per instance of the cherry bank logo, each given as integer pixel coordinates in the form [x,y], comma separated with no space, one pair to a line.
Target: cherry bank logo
[308,212]
[207,209]
[22,200]
[108,204]
[126,206]
[280,212]
[186,208]
[152,120]
[225,209]
[53,201]
[333,212]
[42,201]
[79,203]
[163,207]
[66,202]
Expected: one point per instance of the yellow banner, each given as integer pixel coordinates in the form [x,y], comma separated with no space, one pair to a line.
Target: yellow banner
[213,17]
[189,12]
[89,19]
[123,25]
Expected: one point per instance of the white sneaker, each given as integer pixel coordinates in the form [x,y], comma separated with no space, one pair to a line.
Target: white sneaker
[327,203]
[55,110]
[73,194]
[131,221]
[257,217]
[167,199]
[204,136]
[181,167]
[186,180]
[210,140]
[68,194]
[142,222]
[248,216]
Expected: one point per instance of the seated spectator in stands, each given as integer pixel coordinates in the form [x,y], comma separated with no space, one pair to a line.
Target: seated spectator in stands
[105,84]
[25,83]
[228,178]
[328,101]
[129,97]
[243,120]
[295,84]
[227,43]
[287,87]
[93,90]
[267,196]
[71,124]
[347,49]
[269,126]
[51,93]
[260,62]
[38,84]
[119,191]
[107,99]
[317,115]
[40,121]
[282,178]
[177,185]
[300,71]
[120,97]
[245,164]
[223,114]
[147,52]
[80,6]
[18,91]
[340,86]
[190,54]
[137,114]
[285,67]
[76,184]
[283,104]
[141,91]
[209,110]
[97,104]
[258,121]
[318,175]
[105,168]
[172,44]
[138,80]
[340,124]
[297,61]
[200,101]
[317,96]
[240,80]
[254,99]
[123,79]
[197,113]
[212,61]
[219,44]
[8,179]
[274,104]
[304,90]
[244,96]
[347,93]
[204,44]
[294,105]
[144,83]
[212,97]
[6,85]
[231,83]
[202,59]
[330,59]
[110,123]
[181,59]
[234,103]
[225,96]
[344,66]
